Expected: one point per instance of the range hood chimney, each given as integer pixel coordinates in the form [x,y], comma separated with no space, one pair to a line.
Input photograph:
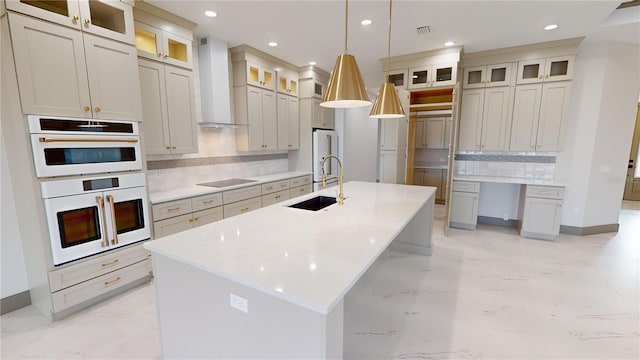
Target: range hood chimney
[213,57]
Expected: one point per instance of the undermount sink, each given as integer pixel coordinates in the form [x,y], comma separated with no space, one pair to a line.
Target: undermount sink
[227,182]
[315,204]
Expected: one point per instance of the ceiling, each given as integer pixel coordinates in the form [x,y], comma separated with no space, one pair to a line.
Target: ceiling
[314,30]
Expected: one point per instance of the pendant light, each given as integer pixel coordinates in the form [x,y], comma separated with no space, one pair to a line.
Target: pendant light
[387,105]
[346,88]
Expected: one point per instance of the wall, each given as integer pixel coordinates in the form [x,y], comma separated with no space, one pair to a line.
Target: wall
[360,143]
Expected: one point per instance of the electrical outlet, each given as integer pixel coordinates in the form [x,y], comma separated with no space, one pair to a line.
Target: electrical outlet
[238,303]
[505,217]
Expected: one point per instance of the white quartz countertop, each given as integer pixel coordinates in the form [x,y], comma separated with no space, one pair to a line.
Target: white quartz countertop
[510,180]
[310,258]
[197,190]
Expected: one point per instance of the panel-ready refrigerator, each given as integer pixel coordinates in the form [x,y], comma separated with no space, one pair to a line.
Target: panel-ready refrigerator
[325,142]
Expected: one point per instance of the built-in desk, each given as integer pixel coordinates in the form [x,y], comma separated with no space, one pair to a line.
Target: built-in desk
[539,204]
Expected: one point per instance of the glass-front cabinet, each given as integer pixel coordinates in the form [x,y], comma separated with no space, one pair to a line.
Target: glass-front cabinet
[433,76]
[398,78]
[557,68]
[487,76]
[156,44]
[111,19]
[287,82]
[258,75]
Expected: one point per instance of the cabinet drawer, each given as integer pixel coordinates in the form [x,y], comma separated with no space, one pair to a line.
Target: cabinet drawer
[275,198]
[275,186]
[171,209]
[300,180]
[207,216]
[466,186]
[242,207]
[300,190]
[172,225]
[241,194]
[545,192]
[77,273]
[90,289]
[206,201]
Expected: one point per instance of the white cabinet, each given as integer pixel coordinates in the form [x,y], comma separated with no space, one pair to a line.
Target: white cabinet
[256,109]
[322,117]
[168,103]
[541,212]
[257,75]
[63,72]
[388,167]
[557,68]
[288,123]
[180,215]
[389,134]
[287,82]
[421,129]
[160,45]
[436,132]
[485,117]
[487,76]
[465,196]
[539,116]
[110,19]
[433,76]
[398,78]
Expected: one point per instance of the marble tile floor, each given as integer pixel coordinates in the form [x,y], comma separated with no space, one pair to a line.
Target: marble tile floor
[487,294]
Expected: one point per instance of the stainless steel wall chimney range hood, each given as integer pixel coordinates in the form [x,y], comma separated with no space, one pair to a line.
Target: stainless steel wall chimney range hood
[213,57]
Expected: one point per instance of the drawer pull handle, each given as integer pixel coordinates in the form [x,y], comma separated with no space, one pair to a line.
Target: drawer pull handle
[244,209]
[269,188]
[277,196]
[283,185]
[110,263]
[173,209]
[190,220]
[107,283]
[196,219]
[207,202]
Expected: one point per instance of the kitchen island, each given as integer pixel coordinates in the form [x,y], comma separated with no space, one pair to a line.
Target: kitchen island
[271,283]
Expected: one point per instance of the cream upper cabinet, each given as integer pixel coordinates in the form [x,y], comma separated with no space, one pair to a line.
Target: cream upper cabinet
[484,119]
[487,76]
[260,76]
[556,68]
[421,129]
[157,44]
[398,78]
[287,82]
[323,118]
[168,109]
[288,123]
[388,167]
[433,76]
[388,134]
[63,72]
[256,112]
[436,132]
[110,19]
[539,116]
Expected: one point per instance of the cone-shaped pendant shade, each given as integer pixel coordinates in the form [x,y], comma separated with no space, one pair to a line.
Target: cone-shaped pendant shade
[387,105]
[346,88]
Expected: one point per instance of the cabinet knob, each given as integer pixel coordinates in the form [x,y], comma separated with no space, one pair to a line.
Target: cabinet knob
[87,108]
[546,76]
[87,22]
[173,148]
[165,55]
[98,109]
[160,54]
[196,219]
[559,205]
[168,147]
[540,77]
[190,220]
[75,19]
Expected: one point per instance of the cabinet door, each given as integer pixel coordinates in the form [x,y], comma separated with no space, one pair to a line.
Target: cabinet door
[112,68]
[444,75]
[542,216]
[526,111]
[316,121]
[419,77]
[294,123]
[63,12]
[474,77]
[177,50]
[287,82]
[435,130]
[149,42]
[283,122]
[530,71]
[418,175]
[464,209]
[496,118]
[109,19]
[207,216]
[498,75]
[257,75]
[559,68]
[51,69]
[398,78]
[154,112]
[254,118]
[553,114]
[269,120]
[181,110]
[388,134]
[388,166]
[172,225]
[433,177]
[328,117]
[421,128]
[472,109]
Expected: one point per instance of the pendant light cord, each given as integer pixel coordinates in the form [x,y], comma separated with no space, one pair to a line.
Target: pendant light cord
[389,43]
[346,26]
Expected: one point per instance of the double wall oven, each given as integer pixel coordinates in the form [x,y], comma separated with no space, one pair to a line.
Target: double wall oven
[92,184]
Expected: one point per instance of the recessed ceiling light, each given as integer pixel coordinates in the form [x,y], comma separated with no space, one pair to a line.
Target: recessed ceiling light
[210,13]
[551,27]
[312,63]
[449,43]
[366,22]
[273,44]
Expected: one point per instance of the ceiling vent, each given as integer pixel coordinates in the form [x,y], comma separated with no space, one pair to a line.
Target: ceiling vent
[423,30]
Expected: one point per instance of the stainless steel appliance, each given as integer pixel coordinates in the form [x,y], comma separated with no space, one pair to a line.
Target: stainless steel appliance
[91,215]
[325,142]
[73,146]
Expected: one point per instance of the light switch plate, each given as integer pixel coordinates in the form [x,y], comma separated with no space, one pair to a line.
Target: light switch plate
[238,303]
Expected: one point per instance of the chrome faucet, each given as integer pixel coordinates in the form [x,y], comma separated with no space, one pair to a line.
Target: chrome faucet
[339,177]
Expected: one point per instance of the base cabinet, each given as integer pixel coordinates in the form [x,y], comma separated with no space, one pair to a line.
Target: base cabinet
[464,205]
[541,212]
[432,177]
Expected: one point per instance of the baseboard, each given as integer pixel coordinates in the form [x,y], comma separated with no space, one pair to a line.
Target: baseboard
[15,302]
[488,220]
[589,230]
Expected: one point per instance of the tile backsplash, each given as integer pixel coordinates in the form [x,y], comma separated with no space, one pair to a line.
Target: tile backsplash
[501,165]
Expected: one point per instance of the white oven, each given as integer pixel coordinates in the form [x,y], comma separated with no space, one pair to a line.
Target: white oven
[91,215]
[73,146]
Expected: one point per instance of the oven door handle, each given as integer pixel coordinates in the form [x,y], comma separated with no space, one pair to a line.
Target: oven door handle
[48,140]
[105,235]
[112,203]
